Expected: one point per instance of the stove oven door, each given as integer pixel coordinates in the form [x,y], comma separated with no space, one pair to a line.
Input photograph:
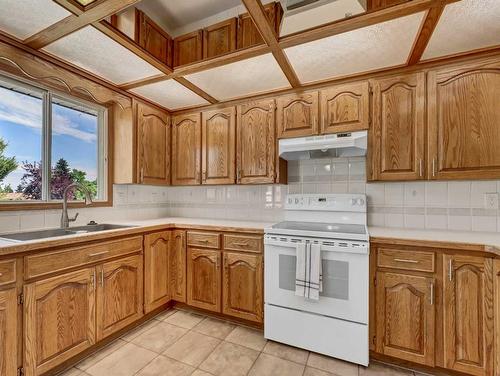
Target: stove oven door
[345,268]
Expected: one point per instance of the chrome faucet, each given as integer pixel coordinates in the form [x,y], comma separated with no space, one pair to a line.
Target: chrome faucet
[65,219]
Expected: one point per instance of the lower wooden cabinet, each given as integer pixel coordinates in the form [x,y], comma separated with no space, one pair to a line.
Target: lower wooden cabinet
[156,270]
[204,279]
[496,274]
[242,286]
[8,332]
[178,266]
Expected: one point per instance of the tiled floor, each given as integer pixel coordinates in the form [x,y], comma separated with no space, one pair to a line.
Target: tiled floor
[181,343]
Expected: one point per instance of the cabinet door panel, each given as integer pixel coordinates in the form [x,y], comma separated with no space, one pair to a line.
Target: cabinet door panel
[204,279]
[219,39]
[297,115]
[406,317]
[345,108]
[156,270]
[153,38]
[8,332]
[463,122]
[248,35]
[256,143]
[468,314]
[178,266]
[218,146]
[119,295]
[59,316]
[186,150]
[153,145]
[188,48]
[242,292]
[397,137]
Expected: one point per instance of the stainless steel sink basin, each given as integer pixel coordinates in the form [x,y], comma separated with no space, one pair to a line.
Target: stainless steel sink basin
[52,233]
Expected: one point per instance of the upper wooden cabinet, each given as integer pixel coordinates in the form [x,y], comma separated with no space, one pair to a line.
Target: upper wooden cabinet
[153,38]
[156,270]
[188,48]
[256,142]
[345,108]
[464,118]
[8,332]
[204,279]
[248,35]
[297,115]
[153,145]
[186,150]
[397,135]
[177,267]
[218,146]
[380,4]
[468,314]
[220,38]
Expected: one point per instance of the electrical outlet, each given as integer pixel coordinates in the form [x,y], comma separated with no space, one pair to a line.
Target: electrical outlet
[491,200]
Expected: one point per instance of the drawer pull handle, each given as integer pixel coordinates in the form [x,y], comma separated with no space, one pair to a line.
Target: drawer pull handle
[407,261]
[98,254]
[241,244]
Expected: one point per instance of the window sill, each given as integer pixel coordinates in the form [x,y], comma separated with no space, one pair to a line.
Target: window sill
[19,206]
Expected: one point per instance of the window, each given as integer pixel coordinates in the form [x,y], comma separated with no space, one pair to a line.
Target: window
[48,141]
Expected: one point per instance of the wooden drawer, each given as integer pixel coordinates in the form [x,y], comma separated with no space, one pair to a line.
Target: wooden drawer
[7,272]
[406,260]
[245,243]
[52,262]
[203,239]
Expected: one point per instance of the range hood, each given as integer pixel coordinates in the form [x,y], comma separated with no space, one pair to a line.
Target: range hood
[351,144]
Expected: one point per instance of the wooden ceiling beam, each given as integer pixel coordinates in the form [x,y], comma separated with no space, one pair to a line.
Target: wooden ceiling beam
[196,90]
[76,21]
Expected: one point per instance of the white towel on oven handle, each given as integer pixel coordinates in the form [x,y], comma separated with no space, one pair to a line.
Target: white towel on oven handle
[309,276]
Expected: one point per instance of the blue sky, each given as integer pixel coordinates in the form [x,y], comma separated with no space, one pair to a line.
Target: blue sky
[74,134]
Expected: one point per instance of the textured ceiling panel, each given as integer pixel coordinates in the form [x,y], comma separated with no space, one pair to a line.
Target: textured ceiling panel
[170,94]
[250,76]
[465,26]
[23,18]
[378,46]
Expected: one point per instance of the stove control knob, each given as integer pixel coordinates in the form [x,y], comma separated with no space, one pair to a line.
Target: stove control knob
[296,201]
[353,201]
[361,202]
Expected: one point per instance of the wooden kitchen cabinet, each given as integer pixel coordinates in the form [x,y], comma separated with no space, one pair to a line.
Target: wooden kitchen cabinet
[204,279]
[248,35]
[405,313]
[156,270]
[59,319]
[119,294]
[468,314]
[8,332]
[153,38]
[188,48]
[186,149]
[218,146]
[463,118]
[297,115]
[345,108]
[372,5]
[177,266]
[220,38]
[153,145]
[242,286]
[256,143]
[397,135]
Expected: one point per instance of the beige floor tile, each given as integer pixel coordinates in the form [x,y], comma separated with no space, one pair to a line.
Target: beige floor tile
[247,337]
[159,337]
[199,372]
[163,315]
[99,355]
[336,366]
[229,359]
[163,366]
[184,319]
[378,369]
[286,352]
[268,365]
[193,348]
[72,372]
[316,372]
[129,336]
[125,361]
[214,328]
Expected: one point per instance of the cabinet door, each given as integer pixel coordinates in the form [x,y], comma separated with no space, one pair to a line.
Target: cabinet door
[156,270]
[119,295]
[59,319]
[464,114]
[153,38]
[242,292]
[219,39]
[186,150]
[8,332]
[153,145]
[468,314]
[218,146]
[188,48]
[297,115]
[248,35]
[405,317]
[497,313]
[256,143]
[345,108]
[397,136]
[178,266]
[204,279]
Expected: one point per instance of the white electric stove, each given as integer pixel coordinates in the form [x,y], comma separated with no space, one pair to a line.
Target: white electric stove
[337,324]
